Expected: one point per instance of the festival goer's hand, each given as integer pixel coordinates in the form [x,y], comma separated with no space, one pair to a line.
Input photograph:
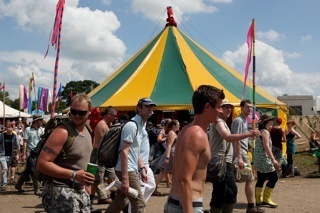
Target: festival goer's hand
[240,163]
[23,159]
[84,177]
[255,133]
[166,161]
[144,176]
[124,186]
[17,158]
[276,165]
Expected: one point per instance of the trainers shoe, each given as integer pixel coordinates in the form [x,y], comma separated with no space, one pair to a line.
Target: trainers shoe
[157,193]
[255,209]
[19,189]
[105,201]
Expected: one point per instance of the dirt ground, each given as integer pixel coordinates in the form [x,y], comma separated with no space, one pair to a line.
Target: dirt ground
[296,194]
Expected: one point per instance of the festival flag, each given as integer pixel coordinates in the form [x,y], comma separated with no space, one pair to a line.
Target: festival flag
[43,94]
[3,87]
[249,43]
[23,97]
[59,92]
[31,86]
[55,40]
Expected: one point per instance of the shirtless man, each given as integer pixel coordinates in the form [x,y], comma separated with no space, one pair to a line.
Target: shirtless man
[192,153]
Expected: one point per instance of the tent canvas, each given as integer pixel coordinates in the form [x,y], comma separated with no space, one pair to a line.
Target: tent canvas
[168,69]
[12,113]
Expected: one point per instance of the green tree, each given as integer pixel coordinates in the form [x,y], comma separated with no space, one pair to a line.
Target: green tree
[77,87]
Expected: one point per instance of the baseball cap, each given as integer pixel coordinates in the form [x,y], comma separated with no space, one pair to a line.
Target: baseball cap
[146,101]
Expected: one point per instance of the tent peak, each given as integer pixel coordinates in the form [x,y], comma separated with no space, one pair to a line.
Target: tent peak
[170,20]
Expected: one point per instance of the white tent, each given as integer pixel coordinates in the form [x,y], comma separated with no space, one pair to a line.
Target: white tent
[12,113]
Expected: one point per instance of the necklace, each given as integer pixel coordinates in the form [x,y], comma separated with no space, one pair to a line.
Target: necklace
[81,134]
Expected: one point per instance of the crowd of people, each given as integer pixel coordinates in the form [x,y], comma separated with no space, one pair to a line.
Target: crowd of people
[149,153]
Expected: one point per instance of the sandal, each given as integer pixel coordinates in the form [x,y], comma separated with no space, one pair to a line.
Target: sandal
[157,193]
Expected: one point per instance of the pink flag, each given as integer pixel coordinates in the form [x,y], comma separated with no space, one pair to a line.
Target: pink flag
[249,43]
[3,87]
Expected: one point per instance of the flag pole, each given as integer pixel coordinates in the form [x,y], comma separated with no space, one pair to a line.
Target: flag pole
[253,79]
[4,105]
[253,91]
[57,26]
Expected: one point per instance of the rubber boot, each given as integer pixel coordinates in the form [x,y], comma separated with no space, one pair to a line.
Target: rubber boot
[36,186]
[228,208]
[215,210]
[258,196]
[23,177]
[267,198]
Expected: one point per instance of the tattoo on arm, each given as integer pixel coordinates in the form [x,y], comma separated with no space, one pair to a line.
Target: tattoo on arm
[49,150]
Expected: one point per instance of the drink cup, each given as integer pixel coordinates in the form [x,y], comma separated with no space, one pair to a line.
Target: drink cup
[92,168]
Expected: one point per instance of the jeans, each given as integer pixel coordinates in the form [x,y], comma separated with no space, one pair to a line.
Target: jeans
[4,160]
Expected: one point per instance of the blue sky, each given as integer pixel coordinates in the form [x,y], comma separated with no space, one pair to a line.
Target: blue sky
[98,36]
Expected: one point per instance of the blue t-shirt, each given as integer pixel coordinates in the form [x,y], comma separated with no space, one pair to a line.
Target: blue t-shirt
[32,136]
[130,135]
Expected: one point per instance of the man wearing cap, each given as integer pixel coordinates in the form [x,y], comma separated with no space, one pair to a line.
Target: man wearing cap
[130,161]
[241,148]
[31,138]
[224,193]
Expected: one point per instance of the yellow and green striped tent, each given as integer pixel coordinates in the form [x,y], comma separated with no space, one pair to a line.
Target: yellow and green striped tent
[168,69]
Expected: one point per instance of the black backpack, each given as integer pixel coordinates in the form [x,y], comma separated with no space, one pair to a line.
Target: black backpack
[109,146]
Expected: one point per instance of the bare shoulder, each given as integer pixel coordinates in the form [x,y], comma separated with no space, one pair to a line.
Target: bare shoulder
[58,136]
[194,136]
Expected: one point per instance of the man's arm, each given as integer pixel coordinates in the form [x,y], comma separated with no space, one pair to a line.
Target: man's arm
[49,153]
[124,167]
[237,129]
[225,134]
[99,132]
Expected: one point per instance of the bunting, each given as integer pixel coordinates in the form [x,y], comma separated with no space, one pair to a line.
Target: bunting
[249,43]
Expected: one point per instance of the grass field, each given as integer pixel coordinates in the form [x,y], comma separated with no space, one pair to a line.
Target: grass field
[305,162]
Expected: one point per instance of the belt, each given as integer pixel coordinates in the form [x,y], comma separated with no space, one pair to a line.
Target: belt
[177,202]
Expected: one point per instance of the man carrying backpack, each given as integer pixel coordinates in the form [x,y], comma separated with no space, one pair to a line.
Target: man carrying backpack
[100,130]
[129,160]
[64,189]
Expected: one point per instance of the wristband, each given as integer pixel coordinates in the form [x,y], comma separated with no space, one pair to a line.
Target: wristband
[144,169]
[73,178]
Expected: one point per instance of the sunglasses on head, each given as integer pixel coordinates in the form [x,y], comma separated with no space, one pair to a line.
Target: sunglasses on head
[79,112]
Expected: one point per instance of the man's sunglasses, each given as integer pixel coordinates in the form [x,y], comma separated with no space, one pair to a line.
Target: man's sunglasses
[74,112]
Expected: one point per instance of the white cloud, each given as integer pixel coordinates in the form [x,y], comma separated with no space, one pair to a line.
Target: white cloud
[270,35]
[292,55]
[306,38]
[272,72]
[89,47]
[153,9]
[106,2]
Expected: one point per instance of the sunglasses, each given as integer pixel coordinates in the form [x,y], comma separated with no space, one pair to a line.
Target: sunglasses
[74,112]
